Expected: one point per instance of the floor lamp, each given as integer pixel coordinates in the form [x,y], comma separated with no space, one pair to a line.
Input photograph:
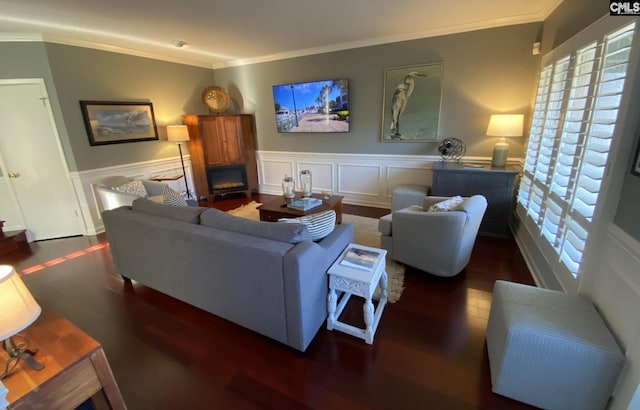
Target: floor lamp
[179,134]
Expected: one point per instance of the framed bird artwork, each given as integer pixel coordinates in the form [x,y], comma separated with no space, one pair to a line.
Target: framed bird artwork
[411,103]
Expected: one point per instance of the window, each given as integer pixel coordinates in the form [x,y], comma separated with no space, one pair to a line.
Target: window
[573,123]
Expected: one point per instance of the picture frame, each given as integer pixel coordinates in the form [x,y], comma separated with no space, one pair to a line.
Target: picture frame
[411,103]
[635,167]
[112,122]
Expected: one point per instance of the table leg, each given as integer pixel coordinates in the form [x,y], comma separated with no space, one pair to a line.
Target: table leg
[105,376]
[332,300]
[383,286]
[367,310]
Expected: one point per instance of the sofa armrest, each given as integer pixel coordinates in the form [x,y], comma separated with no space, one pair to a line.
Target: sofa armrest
[306,284]
[111,199]
[334,243]
[427,236]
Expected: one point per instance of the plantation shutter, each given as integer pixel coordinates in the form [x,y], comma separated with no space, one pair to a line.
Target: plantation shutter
[573,123]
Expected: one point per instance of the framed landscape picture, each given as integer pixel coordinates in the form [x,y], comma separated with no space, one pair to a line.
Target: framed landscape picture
[118,122]
[411,103]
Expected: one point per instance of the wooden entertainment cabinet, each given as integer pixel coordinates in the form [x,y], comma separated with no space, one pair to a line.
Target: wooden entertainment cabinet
[222,141]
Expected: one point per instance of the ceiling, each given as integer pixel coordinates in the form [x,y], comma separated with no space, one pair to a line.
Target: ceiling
[236,32]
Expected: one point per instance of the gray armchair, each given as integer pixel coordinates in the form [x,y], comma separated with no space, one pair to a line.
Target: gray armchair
[439,243]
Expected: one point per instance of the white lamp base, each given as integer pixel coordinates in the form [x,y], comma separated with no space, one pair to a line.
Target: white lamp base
[500,152]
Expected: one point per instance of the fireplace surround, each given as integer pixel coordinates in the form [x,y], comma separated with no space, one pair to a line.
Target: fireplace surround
[226,179]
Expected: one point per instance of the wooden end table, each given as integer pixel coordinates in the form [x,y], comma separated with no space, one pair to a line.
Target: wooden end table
[275,209]
[75,369]
[357,282]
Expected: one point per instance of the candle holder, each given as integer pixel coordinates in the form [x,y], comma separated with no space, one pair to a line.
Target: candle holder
[305,182]
[287,187]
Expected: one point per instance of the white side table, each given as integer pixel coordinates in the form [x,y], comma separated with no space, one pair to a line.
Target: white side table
[358,282]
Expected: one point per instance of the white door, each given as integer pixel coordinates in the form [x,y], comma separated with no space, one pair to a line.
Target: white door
[32,163]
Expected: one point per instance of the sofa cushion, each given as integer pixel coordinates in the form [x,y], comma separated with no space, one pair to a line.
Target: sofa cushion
[171,197]
[451,204]
[289,233]
[319,225]
[133,187]
[188,214]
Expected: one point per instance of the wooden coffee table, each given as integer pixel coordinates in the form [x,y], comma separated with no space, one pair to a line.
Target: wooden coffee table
[273,210]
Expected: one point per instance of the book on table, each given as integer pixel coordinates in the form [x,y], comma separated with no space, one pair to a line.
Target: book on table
[304,203]
[360,258]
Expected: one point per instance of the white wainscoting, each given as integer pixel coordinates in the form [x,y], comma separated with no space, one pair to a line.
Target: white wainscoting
[363,179]
[616,292]
[84,181]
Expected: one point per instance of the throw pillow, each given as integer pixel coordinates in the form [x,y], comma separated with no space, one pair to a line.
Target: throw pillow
[319,225]
[451,204]
[188,214]
[133,187]
[171,197]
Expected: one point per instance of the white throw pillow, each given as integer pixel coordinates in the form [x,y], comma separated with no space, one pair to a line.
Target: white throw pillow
[171,197]
[319,225]
[133,187]
[451,204]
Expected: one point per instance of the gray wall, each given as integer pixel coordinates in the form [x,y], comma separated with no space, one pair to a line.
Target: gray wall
[627,216]
[485,72]
[87,74]
[30,60]
[72,74]
[569,18]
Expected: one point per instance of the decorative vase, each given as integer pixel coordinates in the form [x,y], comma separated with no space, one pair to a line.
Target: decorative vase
[287,187]
[305,182]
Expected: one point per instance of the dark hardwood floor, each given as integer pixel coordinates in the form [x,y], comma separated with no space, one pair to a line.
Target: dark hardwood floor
[429,351]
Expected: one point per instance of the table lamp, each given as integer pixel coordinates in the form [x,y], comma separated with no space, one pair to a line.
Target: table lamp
[178,134]
[504,125]
[19,310]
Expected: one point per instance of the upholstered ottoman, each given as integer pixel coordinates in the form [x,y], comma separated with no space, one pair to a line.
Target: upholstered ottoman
[550,349]
[405,195]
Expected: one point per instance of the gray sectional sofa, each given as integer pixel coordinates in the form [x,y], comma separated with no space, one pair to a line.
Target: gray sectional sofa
[268,277]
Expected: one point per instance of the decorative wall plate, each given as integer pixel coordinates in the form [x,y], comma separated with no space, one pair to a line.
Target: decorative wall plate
[216,98]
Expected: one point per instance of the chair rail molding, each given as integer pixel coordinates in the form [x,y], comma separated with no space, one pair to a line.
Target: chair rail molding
[84,181]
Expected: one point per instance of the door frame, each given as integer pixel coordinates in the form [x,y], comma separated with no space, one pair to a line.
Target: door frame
[40,82]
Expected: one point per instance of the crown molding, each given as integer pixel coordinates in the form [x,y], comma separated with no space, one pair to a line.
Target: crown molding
[201,60]
[36,37]
[435,32]
[20,37]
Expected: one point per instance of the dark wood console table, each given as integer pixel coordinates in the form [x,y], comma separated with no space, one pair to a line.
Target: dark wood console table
[76,368]
[495,184]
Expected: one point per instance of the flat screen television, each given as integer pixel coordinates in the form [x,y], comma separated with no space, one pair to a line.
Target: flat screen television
[315,106]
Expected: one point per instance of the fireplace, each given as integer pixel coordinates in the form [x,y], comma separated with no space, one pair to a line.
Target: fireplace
[226,179]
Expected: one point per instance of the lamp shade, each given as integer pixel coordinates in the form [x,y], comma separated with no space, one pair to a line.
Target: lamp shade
[18,307]
[505,125]
[177,133]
